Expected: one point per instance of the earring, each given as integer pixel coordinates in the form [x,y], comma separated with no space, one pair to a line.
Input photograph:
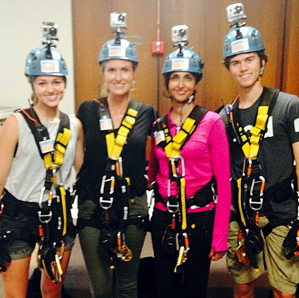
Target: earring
[190,98]
[262,70]
[133,84]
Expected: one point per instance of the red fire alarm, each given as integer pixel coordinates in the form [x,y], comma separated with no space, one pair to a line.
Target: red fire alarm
[158,47]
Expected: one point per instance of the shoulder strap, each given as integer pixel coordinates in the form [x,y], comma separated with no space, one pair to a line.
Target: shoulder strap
[114,147]
[40,132]
[269,98]
[175,145]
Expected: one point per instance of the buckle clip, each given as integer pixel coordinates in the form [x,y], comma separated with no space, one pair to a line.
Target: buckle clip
[257,205]
[107,203]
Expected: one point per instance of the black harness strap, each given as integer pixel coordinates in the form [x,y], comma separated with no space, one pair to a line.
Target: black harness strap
[38,130]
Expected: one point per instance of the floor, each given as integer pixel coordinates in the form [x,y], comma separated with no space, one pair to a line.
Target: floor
[220,284]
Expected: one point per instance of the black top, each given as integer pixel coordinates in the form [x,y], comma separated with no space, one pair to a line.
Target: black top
[133,154]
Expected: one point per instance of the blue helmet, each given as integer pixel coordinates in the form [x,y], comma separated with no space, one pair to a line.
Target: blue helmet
[242,40]
[183,60]
[118,49]
[45,61]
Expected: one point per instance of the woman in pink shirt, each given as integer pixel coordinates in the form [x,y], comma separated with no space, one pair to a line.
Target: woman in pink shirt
[190,164]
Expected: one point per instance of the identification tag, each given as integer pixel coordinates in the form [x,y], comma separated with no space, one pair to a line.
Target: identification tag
[106,124]
[46,146]
[159,137]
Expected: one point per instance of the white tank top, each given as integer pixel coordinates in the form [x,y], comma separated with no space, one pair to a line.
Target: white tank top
[27,174]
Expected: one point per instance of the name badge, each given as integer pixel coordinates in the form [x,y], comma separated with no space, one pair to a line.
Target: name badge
[106,124]
[46,146]
[159,137]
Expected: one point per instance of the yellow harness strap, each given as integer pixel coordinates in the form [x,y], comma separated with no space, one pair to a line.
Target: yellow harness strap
[250,148]
[114,148]
[174,148]
[59,150]
[183,203]
[64,211]
[239,181]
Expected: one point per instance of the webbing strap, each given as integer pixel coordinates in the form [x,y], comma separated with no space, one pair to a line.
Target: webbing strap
[173,146]
[183,203]
[64,210]
[250,147]
[62,138]
[115,145]
[114,148]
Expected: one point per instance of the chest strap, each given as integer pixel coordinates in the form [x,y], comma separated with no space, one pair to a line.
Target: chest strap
[53,158]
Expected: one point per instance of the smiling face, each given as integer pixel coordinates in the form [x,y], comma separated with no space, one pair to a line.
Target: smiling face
[181,85]
[245,69]
[49,90]
[119,75]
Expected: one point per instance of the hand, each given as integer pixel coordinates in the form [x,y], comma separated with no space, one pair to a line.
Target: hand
[216,255]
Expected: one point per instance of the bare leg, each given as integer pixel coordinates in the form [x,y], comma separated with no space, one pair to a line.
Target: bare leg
[15,279]
[278,294]
[48,288]
[244,290]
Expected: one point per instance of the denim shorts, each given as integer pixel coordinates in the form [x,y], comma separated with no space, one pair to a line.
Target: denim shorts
[23,224]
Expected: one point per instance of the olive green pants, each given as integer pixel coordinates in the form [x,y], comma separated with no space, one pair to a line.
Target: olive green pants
[123,279]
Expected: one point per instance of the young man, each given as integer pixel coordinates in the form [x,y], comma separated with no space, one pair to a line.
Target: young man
[263,129]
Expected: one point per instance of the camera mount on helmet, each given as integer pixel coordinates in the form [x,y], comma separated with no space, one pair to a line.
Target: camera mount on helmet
[49,32]
[118,20]
[179,36]
[241,39]
[120,47]
[235,13]
[46,60]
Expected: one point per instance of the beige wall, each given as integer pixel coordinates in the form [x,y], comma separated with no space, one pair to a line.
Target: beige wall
[20,33]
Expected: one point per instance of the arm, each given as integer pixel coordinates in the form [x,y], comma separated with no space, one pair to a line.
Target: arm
[221,168]
[79,155]
[295,147]
[8,143]
[153,166]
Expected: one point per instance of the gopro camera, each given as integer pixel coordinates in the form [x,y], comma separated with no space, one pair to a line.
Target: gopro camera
[179,34]
[235,12]
[49,30]
[118,19]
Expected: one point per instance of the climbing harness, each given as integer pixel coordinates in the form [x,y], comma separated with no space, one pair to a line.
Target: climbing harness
[175,237]
[114,189]
[54,204]
[251,185]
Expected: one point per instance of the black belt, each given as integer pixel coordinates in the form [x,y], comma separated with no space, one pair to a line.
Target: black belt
[202,197]
[140,222]
[13,206]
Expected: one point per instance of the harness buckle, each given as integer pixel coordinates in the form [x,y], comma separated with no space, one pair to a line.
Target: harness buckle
[44,218]
[172,208]
[107,203]
[257,205]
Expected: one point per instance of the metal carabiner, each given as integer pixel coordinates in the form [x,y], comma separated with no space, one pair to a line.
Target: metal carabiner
[174,167]
[109,201]
[44,218]
[262,188]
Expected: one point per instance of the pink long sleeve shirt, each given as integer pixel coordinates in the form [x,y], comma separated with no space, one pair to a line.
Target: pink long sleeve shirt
[205,154]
